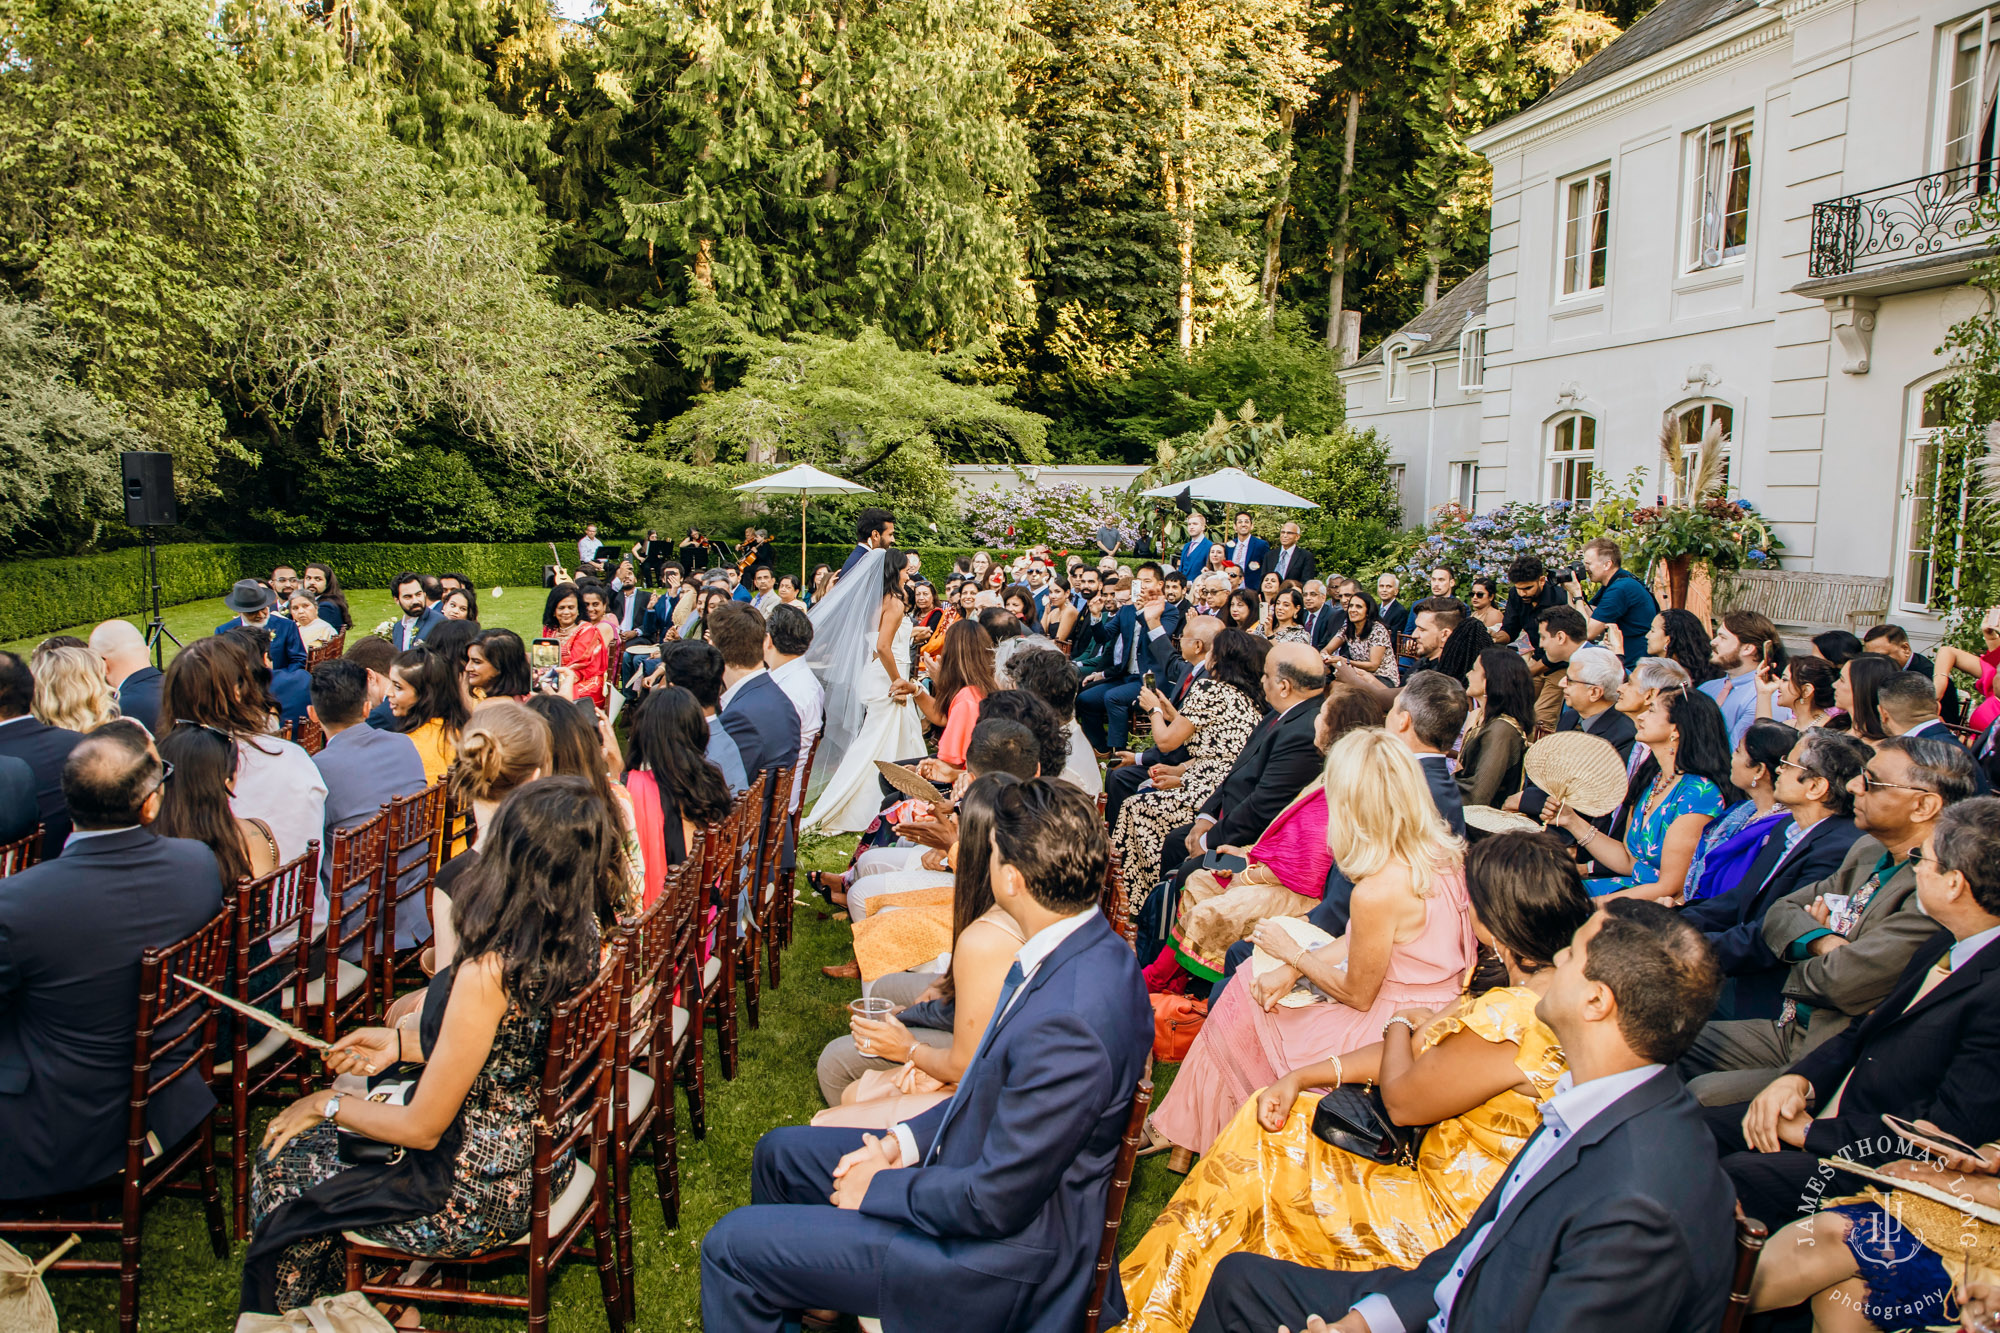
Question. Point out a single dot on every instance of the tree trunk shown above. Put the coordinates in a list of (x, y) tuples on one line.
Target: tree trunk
[(1337, 251), (1180, 207), (1274, 225), (1430, 277), (704, 278)]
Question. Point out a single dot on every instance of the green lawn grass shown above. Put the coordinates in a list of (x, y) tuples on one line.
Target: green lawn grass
[(184, 1288), (518, 609)]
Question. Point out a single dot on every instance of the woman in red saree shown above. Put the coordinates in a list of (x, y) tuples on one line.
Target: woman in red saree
[(583, 647)]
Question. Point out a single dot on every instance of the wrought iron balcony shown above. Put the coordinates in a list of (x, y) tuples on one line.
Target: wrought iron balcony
[(1932, 215)]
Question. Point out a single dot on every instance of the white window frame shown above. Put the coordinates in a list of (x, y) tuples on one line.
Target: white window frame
[(1705, 241), (1464, 481), (1472, 358), (1559, 465), (1968, 87), (1690, 448), (1397, 472), (1396, 372), (1583, 234), (1922, 465)]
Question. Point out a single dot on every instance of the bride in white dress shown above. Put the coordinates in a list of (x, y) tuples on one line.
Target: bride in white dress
[(861, 639)]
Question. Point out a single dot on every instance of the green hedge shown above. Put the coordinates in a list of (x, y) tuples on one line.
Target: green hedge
[(38, 596)]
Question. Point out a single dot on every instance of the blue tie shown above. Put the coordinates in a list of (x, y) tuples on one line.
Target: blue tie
[(1007, 988)]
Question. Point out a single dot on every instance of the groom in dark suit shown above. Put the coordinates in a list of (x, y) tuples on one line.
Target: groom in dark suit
[(990, 1206), (1615, 1213)]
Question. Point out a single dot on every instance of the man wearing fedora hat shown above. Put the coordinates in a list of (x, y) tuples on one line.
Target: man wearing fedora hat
[(253, 603)]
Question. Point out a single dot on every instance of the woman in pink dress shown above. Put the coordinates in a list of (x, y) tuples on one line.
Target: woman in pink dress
[(1982, 668), (1301, 1000)]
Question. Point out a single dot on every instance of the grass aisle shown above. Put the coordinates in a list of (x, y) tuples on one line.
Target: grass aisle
[(184, 1289)]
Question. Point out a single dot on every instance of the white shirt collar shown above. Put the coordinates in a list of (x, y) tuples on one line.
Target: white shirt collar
[(730, 693), (1961, 952), (77, 835), (788, 668), (22, 718), (1573, 1105), (1036, 951), (1923, 727)]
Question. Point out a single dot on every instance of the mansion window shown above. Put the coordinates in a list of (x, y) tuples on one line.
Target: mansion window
[(1691, 423), (1465, 486), (1966, 133), (1586, 232), (1397, 357), (1934, 505), (1572, 457), (1718, 224), (1472, 359)]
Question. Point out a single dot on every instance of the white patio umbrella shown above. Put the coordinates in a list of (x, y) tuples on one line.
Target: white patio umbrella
[(802, 480), (1232, 485)]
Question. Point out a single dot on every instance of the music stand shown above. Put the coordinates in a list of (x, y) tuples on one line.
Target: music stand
[(156, 629)]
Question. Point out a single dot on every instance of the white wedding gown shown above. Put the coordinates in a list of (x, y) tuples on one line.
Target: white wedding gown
[(853, 797)]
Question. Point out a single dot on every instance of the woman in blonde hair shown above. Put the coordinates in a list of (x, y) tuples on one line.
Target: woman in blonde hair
[(70, 689), (505, 746), (1305, 996)]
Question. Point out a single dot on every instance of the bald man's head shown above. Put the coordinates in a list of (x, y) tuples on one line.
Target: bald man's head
[(120, 646), (112, 778), (1198, 636), (1292, 672)]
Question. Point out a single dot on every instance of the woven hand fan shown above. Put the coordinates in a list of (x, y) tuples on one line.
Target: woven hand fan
[(1579, 770), (1491, 819), (25, 1306), (912, 783)]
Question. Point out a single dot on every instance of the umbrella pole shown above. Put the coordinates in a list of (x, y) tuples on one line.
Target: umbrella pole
[(802, 543)]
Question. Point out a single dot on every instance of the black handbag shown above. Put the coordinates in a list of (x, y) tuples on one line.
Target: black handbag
[(1354, 1120), (395, 1088)]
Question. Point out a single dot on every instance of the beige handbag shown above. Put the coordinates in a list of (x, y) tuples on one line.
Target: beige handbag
[(349, 1312)]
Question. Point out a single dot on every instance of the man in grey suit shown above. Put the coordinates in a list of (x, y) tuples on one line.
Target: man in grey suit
[(363, 768)]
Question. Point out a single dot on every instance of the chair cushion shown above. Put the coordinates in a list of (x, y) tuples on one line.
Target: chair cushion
[(710, 970), (680, 1022), (639, 1095), (562, 1211)]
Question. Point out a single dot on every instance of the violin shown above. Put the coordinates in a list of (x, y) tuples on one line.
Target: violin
[(749, 548)]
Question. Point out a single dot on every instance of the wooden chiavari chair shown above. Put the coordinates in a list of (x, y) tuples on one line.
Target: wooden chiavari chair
[(572, 1118), (1114, 1203), (308, 734), (354, 896), (270, 971), (175, 1038), (412, 845), (789, 891), (21, 853), (762, 925)]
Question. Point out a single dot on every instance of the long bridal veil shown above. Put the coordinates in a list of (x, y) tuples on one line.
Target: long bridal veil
[(845, 624)]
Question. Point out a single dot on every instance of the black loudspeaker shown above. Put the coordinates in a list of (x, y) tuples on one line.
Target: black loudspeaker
[(149, 490)]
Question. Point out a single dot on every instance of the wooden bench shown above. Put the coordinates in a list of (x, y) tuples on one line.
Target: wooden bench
[(1809, 602)]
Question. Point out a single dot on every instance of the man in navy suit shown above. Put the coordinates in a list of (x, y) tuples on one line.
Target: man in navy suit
[(754, 708), (419, 617), (253, 604), (364, 769), (1909, 707), (42, 747), (1614, 1214), (991, 1205), (1137, 639), (1247, 551), (71, 932), (1812, 785), (1929, 1051), (135, 681), (1193, 554)]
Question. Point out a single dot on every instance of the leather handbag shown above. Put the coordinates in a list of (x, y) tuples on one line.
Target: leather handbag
[(393, 1089), (1355, 1120), (348, 1312), (1176, 1021)]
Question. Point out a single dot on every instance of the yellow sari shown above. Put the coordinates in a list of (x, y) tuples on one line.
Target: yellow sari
[(1295, 1197)]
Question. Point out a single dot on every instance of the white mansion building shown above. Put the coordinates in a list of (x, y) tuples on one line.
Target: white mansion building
[(1761, 213)]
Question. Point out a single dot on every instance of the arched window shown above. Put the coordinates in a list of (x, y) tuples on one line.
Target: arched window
[(1692, 422), (1572, 456)]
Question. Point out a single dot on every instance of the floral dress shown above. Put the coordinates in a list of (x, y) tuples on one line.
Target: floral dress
[(1646, 834), (1359, 650), (1223, 718), (492, 1188), (1293, 1196)]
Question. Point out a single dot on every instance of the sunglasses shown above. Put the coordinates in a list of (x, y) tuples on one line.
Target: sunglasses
[(166, 775)]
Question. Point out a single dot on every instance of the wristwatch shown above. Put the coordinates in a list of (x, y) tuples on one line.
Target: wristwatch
[(332, 1107)]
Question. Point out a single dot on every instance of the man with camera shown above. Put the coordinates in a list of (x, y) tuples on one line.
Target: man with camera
[(1622, 600)]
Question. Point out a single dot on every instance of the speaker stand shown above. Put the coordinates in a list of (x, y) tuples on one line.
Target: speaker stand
[(157, 632)]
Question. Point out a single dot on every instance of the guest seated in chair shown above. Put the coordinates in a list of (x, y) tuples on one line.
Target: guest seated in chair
[(71, 933), (993, 1202), (1614, 1215), (1408, 943), (1473, 1072), (530, 920)]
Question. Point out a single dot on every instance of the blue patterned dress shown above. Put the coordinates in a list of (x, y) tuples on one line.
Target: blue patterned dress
[(1646, 835)]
